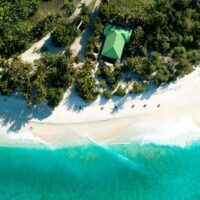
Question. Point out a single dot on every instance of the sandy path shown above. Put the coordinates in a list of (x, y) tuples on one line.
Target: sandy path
[(33, 53), (78, 48)]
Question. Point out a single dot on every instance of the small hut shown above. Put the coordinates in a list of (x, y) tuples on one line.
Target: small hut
[(116, 37)]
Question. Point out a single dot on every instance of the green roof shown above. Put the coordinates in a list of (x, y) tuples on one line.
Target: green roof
[(116, 37)]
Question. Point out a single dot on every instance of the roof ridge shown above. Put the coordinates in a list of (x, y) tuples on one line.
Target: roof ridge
[(114, 43)]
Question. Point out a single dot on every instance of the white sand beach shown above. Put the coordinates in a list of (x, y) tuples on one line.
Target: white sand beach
[(168, 115)]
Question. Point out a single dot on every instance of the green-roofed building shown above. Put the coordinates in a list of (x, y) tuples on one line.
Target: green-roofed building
[(116, 37)]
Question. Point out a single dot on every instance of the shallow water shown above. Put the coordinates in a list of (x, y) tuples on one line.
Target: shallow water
[(117, 172)]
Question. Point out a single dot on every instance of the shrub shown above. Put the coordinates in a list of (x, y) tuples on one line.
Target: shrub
[(54, 96), (69, 8), (120, 91), (107, 94), (178, 52), (137, 88), (43, 26), (87, 88), (103, 84), (64, 34)]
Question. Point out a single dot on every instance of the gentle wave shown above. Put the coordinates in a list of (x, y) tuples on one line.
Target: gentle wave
[(20, 138), (181, 133)]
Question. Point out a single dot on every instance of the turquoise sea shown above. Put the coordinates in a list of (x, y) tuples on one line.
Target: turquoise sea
[(116, 172)]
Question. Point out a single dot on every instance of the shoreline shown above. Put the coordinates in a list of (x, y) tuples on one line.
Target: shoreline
[(62, 136), (100, 122)]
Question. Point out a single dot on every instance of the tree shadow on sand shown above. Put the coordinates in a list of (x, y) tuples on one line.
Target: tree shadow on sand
[(83, 43), (149, 92), (152, 89), (49, 47), (119, 103), (75, 103), (15, 114), (86, 35)]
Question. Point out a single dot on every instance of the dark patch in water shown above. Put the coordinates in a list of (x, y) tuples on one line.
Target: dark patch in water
[(120, 172)]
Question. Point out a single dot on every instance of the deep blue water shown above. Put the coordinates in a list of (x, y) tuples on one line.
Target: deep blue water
[(120, 172)]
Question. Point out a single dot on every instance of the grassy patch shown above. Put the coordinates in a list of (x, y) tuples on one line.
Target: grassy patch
[(46, 8), (123, 6)]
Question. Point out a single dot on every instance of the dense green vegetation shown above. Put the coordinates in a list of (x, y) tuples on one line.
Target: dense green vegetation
[(22, 22), (66, 31), (69, 8), (64, 34), (45, 81), (165, 45), (12, 26), (86, 84), (25, 21)]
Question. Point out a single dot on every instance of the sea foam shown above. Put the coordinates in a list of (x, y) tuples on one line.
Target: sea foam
[(180, 133), (21, 137)]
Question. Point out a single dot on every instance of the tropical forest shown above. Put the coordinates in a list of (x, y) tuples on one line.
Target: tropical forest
[(164, 46)]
